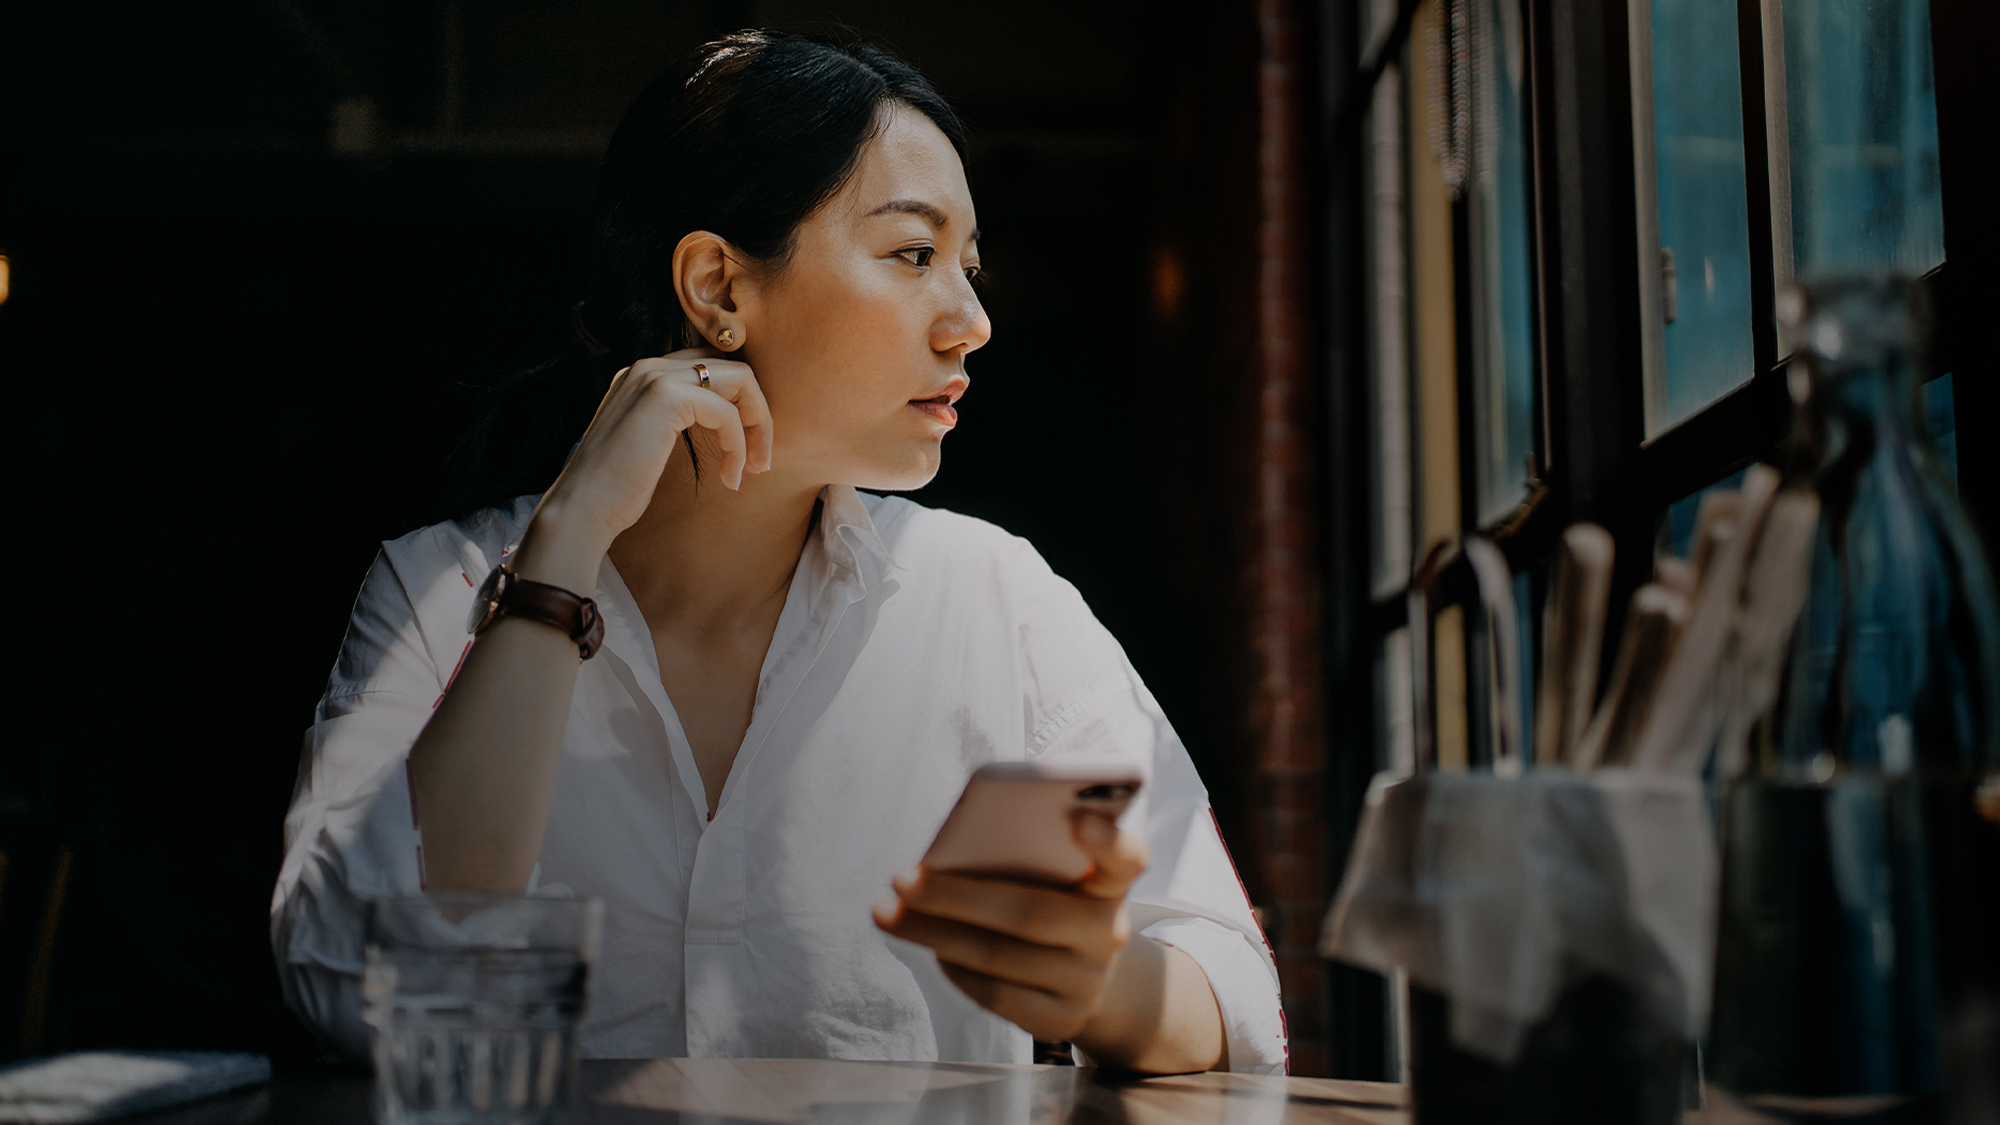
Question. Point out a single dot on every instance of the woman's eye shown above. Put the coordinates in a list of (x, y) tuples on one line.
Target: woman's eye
[(918, 256), (976, 276)]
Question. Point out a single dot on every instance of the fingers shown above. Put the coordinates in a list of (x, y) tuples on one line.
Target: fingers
[(726, 377), (736, 383), (1038, 956), (996, 955), (756, 416), (732, 404), (1040, 1014), (711, 411), (1121, 856), (1045, 916)]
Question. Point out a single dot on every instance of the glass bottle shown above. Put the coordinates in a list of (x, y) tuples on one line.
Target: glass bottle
[(1858, 930)]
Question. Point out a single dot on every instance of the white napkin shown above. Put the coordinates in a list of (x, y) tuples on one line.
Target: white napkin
[(1499, 892)]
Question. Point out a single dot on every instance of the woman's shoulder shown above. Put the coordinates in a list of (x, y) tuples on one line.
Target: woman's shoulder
[(977, 571), (917, 535), (472, 544), (953, 555)]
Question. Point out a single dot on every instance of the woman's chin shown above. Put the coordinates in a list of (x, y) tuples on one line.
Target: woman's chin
[(900, 474)]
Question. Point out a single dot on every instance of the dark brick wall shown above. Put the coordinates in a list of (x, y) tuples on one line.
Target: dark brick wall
[(1238, 196)]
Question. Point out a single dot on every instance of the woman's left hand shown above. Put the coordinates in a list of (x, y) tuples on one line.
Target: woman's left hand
[(1039, 956)]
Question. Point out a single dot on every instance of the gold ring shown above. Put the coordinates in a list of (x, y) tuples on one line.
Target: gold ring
[(701, 373)]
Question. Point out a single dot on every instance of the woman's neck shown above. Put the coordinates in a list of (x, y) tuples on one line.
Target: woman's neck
[(704, 559)]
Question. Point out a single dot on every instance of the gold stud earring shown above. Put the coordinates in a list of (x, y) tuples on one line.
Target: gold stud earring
[(726, 338)]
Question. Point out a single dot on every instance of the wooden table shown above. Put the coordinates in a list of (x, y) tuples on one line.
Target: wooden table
[(817, 1091), (774, 1091), (810, 1090)]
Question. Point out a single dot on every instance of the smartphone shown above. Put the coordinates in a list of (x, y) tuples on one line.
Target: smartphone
[(1014, 819)]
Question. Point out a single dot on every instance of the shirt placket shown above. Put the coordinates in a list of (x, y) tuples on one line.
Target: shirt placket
[(717, 884), (714, 976), (718, 877), (626, 637)]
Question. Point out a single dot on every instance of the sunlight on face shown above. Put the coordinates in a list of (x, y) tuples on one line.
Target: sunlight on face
[(859, 342)]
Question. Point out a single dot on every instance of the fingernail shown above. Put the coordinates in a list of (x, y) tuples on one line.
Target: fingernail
[(907, 877), (887, 910)]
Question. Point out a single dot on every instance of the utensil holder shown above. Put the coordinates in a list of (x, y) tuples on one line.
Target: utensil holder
[(1598, 1057)]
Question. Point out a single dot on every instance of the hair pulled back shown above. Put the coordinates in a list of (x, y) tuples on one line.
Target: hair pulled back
[(745, 137)]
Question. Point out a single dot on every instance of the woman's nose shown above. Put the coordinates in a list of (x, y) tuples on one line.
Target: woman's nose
[(965, 328)]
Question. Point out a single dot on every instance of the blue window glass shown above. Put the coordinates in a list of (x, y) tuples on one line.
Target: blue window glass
[(1504, 340), (1861, 119), (1678, 534), (1704, 224), (1940, 427)]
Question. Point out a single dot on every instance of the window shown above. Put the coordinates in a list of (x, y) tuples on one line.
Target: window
[(1694, 240), (1570, 224), (1860, 136), (1502, 284)]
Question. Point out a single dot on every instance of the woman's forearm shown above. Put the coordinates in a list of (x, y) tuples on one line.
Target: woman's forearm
[(484, 768), (1158, 1014)]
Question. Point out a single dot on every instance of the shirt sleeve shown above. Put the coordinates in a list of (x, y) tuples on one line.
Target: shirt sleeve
[(351, 833), (1192, 899), (1086, 700)]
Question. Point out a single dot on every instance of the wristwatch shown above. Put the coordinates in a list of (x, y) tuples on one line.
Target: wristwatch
[(506, 594)]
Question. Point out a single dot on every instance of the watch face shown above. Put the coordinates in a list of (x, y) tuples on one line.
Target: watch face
[(485, 602)]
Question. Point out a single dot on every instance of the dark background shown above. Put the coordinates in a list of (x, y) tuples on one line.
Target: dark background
[(239, 343)]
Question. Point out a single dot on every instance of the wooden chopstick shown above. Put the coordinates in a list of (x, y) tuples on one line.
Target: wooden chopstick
[(1682, 723), (1652, 626), (1572, 632)]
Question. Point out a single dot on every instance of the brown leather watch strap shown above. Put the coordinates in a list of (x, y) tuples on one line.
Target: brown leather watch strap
[(576, 616)]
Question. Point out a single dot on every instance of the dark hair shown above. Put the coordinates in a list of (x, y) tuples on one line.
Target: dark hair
[(745, 137)]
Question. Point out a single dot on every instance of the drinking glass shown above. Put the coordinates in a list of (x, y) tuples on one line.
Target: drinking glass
[(473, 1003)]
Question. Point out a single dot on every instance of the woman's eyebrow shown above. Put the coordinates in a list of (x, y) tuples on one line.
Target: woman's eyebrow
[(934, 215)]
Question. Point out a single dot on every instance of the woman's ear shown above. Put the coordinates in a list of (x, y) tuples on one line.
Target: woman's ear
[(710, 278)]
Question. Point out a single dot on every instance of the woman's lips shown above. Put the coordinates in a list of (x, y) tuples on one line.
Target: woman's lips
[(939, 408)]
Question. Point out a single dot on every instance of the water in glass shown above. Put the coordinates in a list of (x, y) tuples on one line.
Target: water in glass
[(476, 1026)]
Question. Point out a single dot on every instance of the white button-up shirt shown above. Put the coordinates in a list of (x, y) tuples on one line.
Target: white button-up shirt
[(914, 646)]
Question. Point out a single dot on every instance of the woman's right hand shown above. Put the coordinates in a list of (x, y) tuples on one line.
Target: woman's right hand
[(610, 479), (483, 770)]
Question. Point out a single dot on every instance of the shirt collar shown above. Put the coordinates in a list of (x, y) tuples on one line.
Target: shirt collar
[(854, 550), (855, 553)]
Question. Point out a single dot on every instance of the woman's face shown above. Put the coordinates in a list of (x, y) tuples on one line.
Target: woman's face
[(859, 342)]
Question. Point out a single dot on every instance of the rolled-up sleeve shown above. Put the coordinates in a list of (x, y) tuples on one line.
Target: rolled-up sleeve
[(351, 833), (1088, 701), (1191, 898)]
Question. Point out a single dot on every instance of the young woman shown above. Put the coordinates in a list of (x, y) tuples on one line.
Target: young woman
[(777, 685)]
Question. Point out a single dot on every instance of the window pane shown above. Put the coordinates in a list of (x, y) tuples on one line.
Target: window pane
[(1862, 123), (1940, 423), (1703, 212), (1504, 347)]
